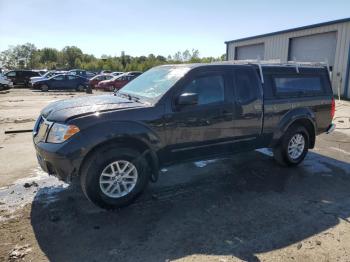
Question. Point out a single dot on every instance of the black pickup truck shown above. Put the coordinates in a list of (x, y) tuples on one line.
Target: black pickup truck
[(117, 143)]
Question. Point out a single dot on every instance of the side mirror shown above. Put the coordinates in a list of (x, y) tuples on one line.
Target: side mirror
[(187, 99)]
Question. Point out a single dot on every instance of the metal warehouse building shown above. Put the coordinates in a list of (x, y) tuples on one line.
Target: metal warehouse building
[(324, 42)]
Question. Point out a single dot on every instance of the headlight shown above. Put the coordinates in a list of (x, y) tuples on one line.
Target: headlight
[(60, 133)]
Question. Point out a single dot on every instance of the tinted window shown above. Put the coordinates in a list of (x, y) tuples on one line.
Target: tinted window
[(72, 77), (246, 85), (285, 85), (11, 74), (59, 77), (210, 89)]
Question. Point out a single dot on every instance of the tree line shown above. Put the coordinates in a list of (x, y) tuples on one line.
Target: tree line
[(27, 56)]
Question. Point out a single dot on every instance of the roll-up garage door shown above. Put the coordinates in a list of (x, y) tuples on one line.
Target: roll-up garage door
[(255, 51), (313, 48)]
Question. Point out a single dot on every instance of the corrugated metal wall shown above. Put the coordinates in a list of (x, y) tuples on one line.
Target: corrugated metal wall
[(276, 47)]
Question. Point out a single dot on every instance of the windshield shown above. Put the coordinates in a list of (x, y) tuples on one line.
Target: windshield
[(155, 82), (118, 76), (48, 74)]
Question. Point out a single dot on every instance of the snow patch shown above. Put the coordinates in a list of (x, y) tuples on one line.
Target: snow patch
[(204, 163), (39, 186)]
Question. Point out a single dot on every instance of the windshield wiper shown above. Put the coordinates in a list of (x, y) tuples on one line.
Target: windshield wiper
[(128, 96), (135, 98)]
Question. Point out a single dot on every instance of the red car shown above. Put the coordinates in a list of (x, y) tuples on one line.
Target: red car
[(96, 79), (117, 82)]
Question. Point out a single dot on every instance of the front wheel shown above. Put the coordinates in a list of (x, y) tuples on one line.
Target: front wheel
[(293, 146), (44, 88), (113, 177)]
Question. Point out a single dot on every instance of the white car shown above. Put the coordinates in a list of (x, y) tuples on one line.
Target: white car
[(5, 83)]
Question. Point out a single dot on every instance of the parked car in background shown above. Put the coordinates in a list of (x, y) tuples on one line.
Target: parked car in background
[(117, 82), (105, 72), (96, 79), (62, 82), (82, 73), (21, 77), (117, 73), (5, 83), (41, 71), (117, 143), (47, 75), (134, 73)]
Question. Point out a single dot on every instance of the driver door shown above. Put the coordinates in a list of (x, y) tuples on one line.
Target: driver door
[(203, 129), (57, 82)]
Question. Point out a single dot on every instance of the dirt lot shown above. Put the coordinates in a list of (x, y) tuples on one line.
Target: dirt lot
[(242, 208)]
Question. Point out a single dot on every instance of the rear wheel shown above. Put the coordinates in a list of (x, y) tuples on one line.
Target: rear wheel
[(114, 176), (293, 146), (44, 88)]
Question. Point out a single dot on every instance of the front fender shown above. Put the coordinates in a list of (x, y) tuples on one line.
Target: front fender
[(119, 130)]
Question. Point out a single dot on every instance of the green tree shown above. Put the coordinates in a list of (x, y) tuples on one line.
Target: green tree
[(70, 56), (18, 56), (48, 55)]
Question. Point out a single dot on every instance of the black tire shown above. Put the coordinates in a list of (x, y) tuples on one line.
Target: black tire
[(80, 88), (44, 88), (280, 152), (98, 161)]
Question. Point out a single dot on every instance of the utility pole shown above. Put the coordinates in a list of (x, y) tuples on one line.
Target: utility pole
[(123, 59)]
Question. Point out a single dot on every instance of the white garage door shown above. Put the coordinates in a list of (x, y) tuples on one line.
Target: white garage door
[(256, 51), (313, 48)]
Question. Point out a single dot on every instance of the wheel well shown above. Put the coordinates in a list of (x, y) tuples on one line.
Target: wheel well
[(309, 127), (136, 144)]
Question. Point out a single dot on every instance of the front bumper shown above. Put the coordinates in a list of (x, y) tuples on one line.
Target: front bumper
[(62, 160), (7, 85), (53, 164)]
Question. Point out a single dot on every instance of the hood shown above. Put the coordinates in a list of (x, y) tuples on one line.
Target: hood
[(63, 110), (40, 81), (37, 78), (105, 82)]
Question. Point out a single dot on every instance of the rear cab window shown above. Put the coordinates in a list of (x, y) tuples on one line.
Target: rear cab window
[(286, 82), (298, 85)]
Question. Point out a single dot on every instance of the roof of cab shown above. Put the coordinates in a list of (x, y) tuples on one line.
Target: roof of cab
[(264, 64)]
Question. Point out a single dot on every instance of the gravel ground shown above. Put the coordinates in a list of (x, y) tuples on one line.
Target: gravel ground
[(244, 208)]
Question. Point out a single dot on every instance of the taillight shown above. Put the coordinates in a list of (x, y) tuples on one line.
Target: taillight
[(333, 108)]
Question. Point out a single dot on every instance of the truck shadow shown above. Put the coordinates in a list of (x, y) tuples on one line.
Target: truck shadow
[(233, 207)]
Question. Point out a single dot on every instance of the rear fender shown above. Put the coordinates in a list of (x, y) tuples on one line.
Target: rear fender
[(303, 116)]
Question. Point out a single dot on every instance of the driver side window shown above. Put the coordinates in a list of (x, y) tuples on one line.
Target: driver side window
[(11, 74), (210, 89), (59, 78), (72, 77)]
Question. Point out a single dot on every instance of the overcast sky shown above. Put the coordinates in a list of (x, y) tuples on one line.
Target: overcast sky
[(154, 26)]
